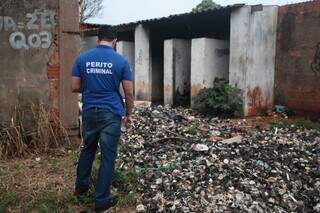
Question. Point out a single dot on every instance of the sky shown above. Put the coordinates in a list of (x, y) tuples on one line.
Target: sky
[(123, 11)]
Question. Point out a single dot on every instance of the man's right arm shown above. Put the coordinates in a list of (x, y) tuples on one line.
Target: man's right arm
[(128, 93)]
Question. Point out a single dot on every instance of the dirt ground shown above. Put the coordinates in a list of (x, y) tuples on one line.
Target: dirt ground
[(45, 183), (42, 184)]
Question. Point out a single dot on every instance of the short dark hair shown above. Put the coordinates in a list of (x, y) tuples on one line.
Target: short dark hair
[(107, 33)]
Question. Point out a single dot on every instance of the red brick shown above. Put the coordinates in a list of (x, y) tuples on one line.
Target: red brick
[(53, 72)]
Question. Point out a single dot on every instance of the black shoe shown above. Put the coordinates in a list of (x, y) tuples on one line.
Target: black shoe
[(81, 194), (111, 204)]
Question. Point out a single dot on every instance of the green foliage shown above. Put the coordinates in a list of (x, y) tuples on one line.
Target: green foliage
[(7, 199), (128, 200), (297, 124), (205, 5), (193, 129), (222, 100), (49, 202)]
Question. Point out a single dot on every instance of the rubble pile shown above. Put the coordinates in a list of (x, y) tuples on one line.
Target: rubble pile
[(192, 163)]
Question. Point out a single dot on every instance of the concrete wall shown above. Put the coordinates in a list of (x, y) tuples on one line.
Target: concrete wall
[(252, 56), (126, 49), (88, 42), (209, 60), (298, 58), (31, 70), (177, 71), (143, 64), (27, 45)]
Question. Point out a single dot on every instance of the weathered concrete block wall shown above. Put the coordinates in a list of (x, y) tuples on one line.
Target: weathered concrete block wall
[(177, 71), (252, 56), (298, 58), (143, 64), (126, 49), (209, 60), (31, 69), (27, 37)]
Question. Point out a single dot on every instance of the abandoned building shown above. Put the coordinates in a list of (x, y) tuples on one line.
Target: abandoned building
[(38, 46), (266, 51), (272, 53)]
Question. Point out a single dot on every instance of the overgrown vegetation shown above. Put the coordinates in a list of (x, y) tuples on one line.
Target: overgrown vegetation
[(221, 100), (124, 180), (296, 124), (6, 199), (51, 202), (33, 129)]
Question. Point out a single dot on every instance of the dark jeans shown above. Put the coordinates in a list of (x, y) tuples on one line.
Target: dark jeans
[(99, 125)]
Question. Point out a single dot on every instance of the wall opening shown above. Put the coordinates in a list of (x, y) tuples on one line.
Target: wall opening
[(157, 53)]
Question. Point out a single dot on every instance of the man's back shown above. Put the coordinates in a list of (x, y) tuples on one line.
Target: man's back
[(97, 75), (102, 70)]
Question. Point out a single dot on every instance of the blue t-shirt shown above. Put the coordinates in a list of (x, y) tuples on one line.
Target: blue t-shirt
[(101, 71)]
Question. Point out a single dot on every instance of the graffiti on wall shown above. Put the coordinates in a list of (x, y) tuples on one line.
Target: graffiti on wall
[(315, 65), (32, 33)]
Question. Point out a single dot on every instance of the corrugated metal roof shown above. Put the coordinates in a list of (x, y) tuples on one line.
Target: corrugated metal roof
[(173, 18)]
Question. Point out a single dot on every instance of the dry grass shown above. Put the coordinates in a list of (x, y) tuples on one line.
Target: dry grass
[(34, 130), (37, 165), (37, 183), (45, 185)]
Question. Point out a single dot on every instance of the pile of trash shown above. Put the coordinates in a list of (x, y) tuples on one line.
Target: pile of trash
[(192, 163)]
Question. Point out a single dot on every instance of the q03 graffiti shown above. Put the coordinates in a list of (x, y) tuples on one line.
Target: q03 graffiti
[(39, 23)]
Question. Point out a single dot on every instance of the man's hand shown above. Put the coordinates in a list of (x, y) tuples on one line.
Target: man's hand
[(127, 121)]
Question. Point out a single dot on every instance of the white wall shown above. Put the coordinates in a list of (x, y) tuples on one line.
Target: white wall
[(177, 70), (252, 56), (209, 60), (143, 62), (126, 49)]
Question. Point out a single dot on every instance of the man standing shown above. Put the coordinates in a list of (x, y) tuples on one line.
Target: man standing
[(97, 74)]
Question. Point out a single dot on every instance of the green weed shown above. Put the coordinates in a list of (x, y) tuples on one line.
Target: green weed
[(297, 124), (7, 199)]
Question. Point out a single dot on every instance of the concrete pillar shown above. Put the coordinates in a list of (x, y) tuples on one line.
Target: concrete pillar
[(252, 56), (177, 69), (69, 49), (209, 60), (126, 49), (143, 64)]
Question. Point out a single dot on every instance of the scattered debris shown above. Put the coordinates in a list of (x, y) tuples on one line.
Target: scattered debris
[(199, 147), (141, 208), (237, 139), (245, 169)]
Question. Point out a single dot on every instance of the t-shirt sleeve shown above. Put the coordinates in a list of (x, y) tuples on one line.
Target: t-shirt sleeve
[(126, 72), (76, 68)]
